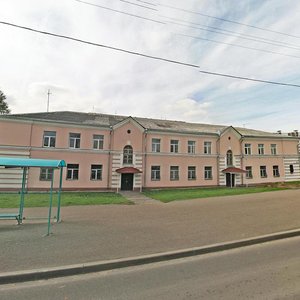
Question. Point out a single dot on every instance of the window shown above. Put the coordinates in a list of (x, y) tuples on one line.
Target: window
[(276, 171), (174, 173), (207, 172), (191, 173), (46, 174), (72, 171), (248, 149), (155, 145), (229, 158), (263, 171), (273, 149), (174, 146), (96, 172), (74, 140), (127, 155), (291, 169), (207, 147), (191, 147), (49, 138), (261, 149), (98, 141), (155, 173), (249, 172)]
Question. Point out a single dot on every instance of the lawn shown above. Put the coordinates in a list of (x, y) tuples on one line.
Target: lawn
[(9, 200), (185, 194)]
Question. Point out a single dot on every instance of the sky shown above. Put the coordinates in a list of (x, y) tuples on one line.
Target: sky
[(219, 36)]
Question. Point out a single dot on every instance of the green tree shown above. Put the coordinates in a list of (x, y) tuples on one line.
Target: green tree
[(3, 105)]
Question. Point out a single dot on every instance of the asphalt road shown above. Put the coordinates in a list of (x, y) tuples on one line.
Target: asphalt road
[(104, 232), (264, 271)]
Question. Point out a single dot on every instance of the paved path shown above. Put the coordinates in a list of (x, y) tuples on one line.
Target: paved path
[(90, 233), (139, 198)]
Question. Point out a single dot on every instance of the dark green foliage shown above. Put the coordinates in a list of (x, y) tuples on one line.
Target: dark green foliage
[(3, 105)]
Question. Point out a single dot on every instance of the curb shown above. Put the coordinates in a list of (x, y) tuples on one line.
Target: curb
[(98, 266)]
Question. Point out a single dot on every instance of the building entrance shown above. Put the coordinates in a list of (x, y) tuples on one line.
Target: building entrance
[(127, 182), (230, 180)]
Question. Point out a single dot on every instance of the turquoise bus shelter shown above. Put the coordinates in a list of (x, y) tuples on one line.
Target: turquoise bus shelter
[(25, 164)]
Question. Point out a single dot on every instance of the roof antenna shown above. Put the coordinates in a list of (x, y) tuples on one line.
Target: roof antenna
[(48, 100)]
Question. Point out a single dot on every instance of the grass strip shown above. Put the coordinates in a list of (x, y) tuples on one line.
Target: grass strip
[(169, 195), (12, 200)]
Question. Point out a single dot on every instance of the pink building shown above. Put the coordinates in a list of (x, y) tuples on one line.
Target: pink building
[(117, 152)]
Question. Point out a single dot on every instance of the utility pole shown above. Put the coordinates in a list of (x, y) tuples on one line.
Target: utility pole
[(48, 100)]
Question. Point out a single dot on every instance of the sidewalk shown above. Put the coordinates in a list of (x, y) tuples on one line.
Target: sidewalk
[(94, 233)]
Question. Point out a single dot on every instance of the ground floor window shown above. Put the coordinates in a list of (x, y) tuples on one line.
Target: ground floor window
[(155, 173), (72, 171), (207, 172), (174, 173), (276, 171), (46, 174), (291, 169), (96, 172), (191, 173), (263, 171), (249, 174)]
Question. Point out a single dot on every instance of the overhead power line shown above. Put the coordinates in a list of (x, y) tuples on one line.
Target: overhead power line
[(219, 31), (239, 46), (147, 56), (249, 79), (149, 3), (214, 30), (120, 11), (230, 31), (139, 5), (227, 20)]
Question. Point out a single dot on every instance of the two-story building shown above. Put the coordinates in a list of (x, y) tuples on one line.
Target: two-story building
[(105, 152)]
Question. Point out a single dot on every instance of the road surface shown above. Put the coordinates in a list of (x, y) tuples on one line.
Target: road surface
[(265, 271)]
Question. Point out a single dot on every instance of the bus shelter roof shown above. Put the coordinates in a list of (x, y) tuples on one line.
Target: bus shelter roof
[(31, 162)]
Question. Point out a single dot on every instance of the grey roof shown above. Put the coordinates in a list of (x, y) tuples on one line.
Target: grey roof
[(105, 120)]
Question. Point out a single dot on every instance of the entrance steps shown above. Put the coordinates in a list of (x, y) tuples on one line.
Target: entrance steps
[(139, 198)]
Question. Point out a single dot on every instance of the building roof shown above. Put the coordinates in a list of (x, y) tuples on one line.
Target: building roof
[(105, 120), (233, 170), (126, 170)]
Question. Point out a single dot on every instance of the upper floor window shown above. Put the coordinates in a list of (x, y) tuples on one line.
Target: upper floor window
[(207, 147), (72, 171), (127, 155), (155, 145), (249, 174), (155, 172), (229, 158), (74, 140), (98, 141), (191, 147), (46, 174), (174, 146), (276, 171), (263, 171), (191, 173), (248, 149), (174, 173), (96, 172), (273, 149), (49, 138), (207, 172), (261, 149)]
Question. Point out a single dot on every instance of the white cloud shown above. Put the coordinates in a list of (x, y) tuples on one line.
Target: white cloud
[(87, 78)]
